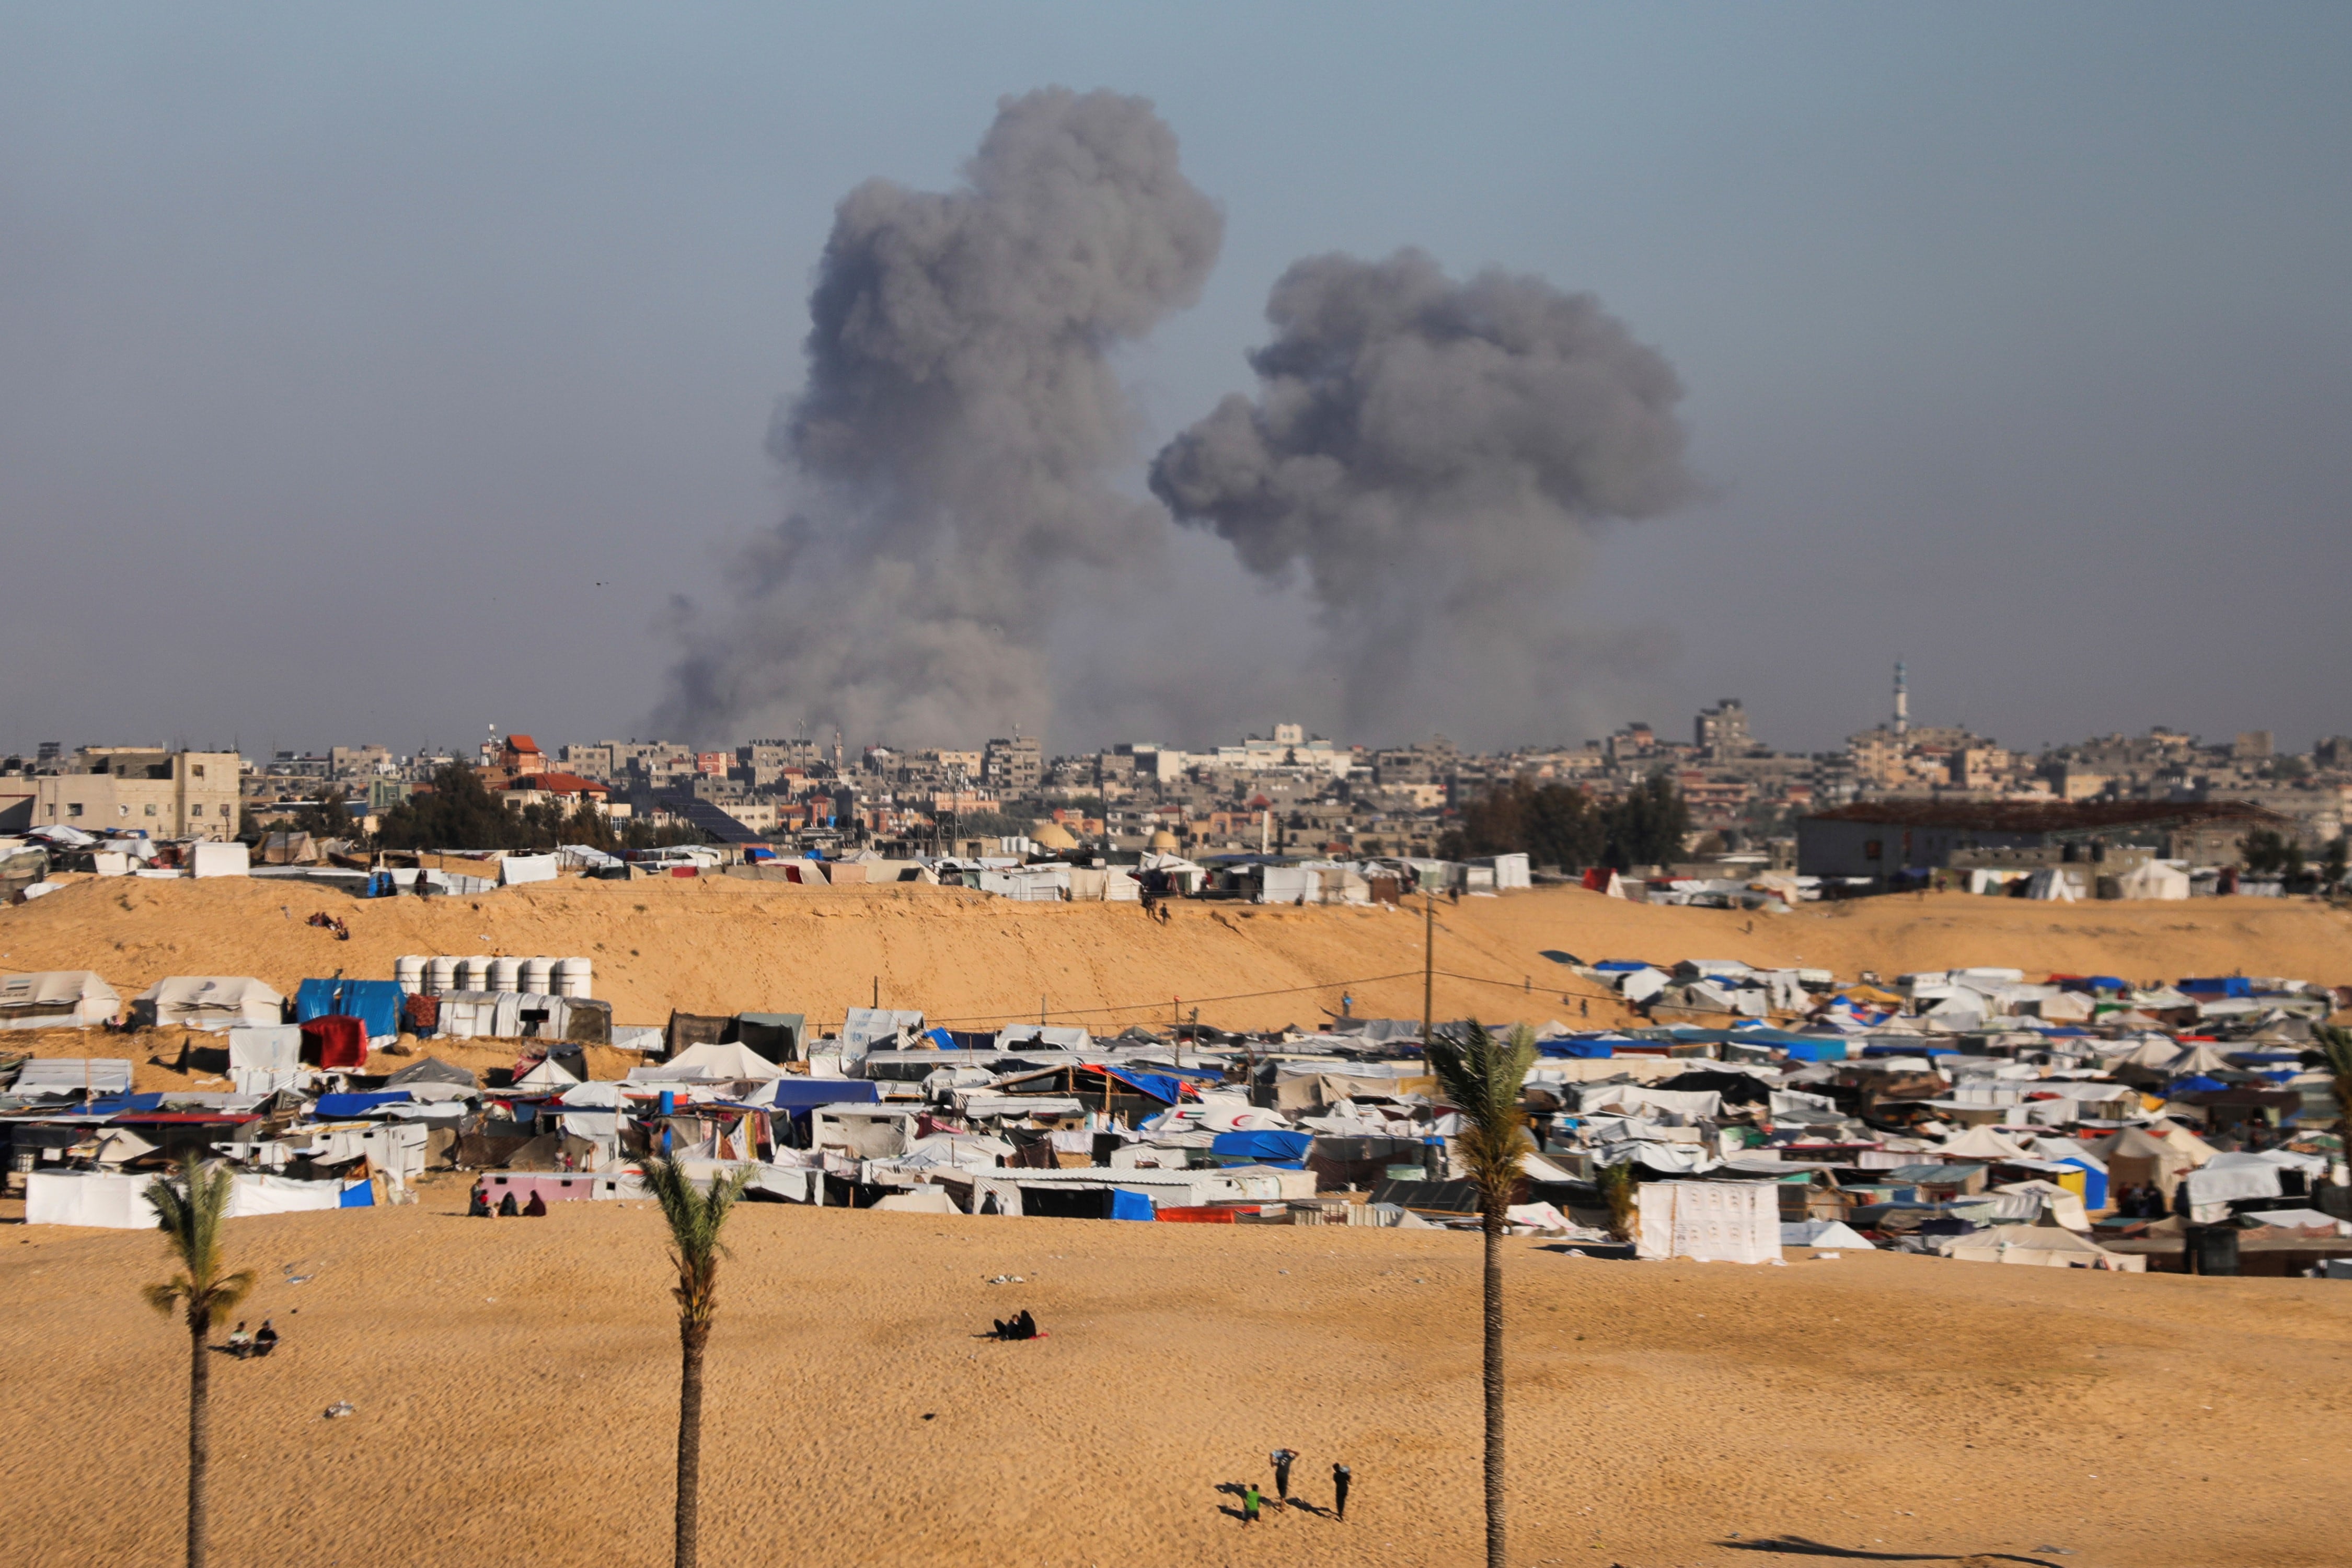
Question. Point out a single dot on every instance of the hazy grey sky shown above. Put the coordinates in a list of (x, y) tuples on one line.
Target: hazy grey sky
[(382, 373)]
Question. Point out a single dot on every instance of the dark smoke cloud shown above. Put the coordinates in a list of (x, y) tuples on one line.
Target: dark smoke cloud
[(949, 458), (1435, 456)]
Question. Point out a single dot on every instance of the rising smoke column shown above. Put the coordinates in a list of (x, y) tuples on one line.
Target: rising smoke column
[(950, 455), (1433, 455)]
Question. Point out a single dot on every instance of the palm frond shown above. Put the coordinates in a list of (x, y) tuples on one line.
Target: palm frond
[(2334, 1043), (191, 1205), (1483, 1077), (167, 1295), (694, 1217)]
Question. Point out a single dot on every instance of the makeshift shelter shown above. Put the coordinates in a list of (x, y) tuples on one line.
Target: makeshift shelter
[(1983, 1143), (207, 1002), (335, 1043), (2044, 1246), (56, 999), (778, 1036), (374, 1003), (2155, 879), (711, 1062), (72, 1075), (2137, 1158), (1713, 1222), (2053, 884)]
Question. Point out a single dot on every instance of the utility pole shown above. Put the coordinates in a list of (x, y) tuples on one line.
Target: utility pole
[(1428, 961)]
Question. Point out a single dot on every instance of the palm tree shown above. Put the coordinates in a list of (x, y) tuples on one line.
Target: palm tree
[(1482, 1077), (2335, 1044), (190, 1211), (694, 1217)]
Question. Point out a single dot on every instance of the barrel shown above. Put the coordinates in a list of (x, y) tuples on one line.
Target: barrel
[(474, 973), (572, 977), (506, 974), (408, 973), (538, 977), (440, 974)]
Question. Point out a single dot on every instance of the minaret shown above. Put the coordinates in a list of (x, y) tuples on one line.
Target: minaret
[(1902, 700)]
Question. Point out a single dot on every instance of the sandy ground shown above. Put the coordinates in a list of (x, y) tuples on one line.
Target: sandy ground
[(516, 1381), (727, 946)]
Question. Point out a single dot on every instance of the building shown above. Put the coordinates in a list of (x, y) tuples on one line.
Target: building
[(568, 792), (1722, 730), (1014, 767), (1884, 838), (132, 790)]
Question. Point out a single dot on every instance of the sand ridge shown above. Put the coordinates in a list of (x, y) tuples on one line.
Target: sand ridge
[(723, 944)]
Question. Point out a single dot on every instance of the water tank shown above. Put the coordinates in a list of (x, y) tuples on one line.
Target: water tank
[(539, 976), (408, 973), (506, 974), (474, 973), (572, 977), (440, 974)]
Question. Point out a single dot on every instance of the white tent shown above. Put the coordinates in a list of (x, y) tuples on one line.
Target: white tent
[(2155, 879), (271, 1046), (2046, 1245), (1983, 1143), (710, 1062), (71, 1075), (56, 999), (514, 869), (207, 1002), (2053, 884), (207, 859), (1718, 1222), (1824, 1233)]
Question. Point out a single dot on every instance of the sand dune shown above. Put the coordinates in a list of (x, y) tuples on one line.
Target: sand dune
[(515, 1382), (721, 946)]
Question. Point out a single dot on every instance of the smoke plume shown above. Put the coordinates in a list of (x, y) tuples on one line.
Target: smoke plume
[(1433, 455), (951, 455)]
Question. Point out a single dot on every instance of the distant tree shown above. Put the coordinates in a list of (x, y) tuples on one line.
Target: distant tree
[(1619, 1190), (1483, 1077), (2292, 866), (2335, 1045), (1552, 824), (457, 812), (191, 1215), (1647, 826), (2332, 869), (694, 1217), (329, 816), (2263, 851)]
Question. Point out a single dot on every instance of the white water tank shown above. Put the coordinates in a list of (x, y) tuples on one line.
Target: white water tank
[(506, 974), (440, 974), (408, 973), (539, 976), (572, 977), (474, 973)]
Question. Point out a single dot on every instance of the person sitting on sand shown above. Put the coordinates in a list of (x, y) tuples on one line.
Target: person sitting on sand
[(536, 1208), (478, 1204), (240, 1340), (1025, 1326), (508, 1207), (267, 1339)]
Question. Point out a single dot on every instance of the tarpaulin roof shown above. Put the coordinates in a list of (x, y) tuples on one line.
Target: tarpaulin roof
[(333, 1106), (374, 1003), (794, 1092), (1163, 1087), (1267, 1146)]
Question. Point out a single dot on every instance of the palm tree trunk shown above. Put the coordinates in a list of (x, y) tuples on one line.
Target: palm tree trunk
[(199, 1432), (1494, 1313), (692, 1337)]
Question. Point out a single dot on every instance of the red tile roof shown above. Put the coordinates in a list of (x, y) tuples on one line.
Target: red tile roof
[(560, 783)]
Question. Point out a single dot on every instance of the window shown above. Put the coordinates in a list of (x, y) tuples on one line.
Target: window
[(121, 811), (150, 811), (197, 809), (74, 809), (196, 769)]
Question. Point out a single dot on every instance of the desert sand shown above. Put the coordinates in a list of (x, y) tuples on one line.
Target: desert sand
[(720, 944), (515, 1384)]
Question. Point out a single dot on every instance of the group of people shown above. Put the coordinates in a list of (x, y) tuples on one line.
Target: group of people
[(1019, 1326), (1282, 1459), (478, 1204), (243, 1345)]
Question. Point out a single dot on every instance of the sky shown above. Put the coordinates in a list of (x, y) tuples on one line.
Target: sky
[(395, 374)]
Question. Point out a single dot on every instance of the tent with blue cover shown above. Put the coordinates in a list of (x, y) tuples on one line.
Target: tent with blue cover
[(374, 1003), (1285, 1149), (1127, 1204), (343, 1107)]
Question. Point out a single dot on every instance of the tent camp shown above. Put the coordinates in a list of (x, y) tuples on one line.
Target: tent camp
[(2137, 1158), (207, 1002), (56, 999), (114, 1201), (72, 1075)]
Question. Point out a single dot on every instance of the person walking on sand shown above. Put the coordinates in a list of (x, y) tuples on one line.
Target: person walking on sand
[(1339, 1479), (1249, 1503), (1281, 1460)]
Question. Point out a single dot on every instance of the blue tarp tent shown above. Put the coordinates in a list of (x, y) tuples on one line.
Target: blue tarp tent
[(1816, 1050), (797, 1093), (1587, 1051), (1621, 965), (335, 1106), (358, 1195), (2222, 985), (1127, 1204), (2195, 1083), (2094, 1183), (374, 1003), (1159, 1086), (1270, 1148)]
